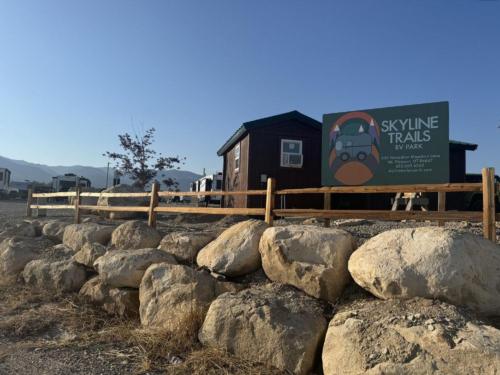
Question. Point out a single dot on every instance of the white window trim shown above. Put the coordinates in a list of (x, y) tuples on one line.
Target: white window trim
[(297, 141), (237, 147)]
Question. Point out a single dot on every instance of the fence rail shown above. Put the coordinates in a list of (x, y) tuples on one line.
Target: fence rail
[(487, 187), (418, 188)]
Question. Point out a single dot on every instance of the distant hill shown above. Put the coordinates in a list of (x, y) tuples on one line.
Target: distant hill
[(23, 170)]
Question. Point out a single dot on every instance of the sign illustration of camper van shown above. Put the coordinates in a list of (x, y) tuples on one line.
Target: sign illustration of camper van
[(354, 148)]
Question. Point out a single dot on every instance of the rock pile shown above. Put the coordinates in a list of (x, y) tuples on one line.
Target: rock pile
[(298, 317)]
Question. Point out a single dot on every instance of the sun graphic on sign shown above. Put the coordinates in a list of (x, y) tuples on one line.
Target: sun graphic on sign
[(354, 148)]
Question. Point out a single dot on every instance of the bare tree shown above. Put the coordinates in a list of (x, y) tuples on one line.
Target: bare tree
[(140, 161)]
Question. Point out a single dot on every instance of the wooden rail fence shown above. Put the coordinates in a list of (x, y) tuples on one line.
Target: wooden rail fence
[(487, 187)]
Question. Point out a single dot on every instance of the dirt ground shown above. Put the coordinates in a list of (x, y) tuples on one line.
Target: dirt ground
[(45, 334), (12, 209)]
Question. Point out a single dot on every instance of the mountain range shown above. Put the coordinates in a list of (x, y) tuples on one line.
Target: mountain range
[(22, 170)]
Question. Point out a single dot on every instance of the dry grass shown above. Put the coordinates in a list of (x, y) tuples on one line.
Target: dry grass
[(31, 317)]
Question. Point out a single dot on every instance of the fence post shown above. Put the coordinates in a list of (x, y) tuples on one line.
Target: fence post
[(489, 230), (29, 211), (327, 205), (153, 203), (441, 205), (271, 184), (77, 204)]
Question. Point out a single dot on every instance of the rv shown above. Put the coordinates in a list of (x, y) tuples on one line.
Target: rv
[(4, 180), (68, 181), (212, 182)]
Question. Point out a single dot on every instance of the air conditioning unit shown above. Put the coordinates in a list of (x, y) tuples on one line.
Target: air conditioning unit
[(291, 160)]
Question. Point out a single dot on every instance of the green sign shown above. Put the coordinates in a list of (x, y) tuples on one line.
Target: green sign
[(387, 146)]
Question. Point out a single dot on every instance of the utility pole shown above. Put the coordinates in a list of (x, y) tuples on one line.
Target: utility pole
[(107, 176)]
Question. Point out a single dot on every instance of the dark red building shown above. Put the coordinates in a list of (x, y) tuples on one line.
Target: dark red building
[(286, 147)]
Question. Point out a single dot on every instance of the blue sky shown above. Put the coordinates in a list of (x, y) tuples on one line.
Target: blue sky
[(74, 74)]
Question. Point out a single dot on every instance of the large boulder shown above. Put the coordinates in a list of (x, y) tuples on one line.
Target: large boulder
[(236, 251), (115, 301), (76, 235), (16, 252), (89, 254), (311, 258), (409, 337), (169, 294), (184, 246), (122, 201), (274, 324), (430, 262), (125, 268), (135, 234), (54, 230), (63, 275)]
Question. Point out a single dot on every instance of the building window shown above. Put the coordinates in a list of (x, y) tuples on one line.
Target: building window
[(291, 153), (237, 157), (1, 176)]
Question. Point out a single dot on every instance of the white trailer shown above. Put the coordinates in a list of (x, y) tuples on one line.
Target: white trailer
[(211, 182), (68, 181), (5, 180)]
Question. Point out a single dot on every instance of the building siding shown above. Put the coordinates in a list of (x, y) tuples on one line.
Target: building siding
[(265, 158), (236, 180)]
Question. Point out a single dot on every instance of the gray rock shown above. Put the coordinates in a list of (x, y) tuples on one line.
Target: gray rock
[(170, 295), (369, 345), (16, 252), (62, 275), (125, 268), (311, 258), (236, 251), (272, 324), (430, 262), (77, 235), (54, 230), (184, 246), (117, 301), (89, 254), (135, 234)]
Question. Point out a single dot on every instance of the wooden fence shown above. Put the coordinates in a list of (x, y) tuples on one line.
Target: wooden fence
[(487, 216)]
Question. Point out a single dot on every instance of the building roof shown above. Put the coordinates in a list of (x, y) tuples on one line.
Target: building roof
[(306, 120), (266, 121), (463, 145)]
